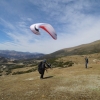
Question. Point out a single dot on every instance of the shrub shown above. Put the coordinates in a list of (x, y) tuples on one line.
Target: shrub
[(8, 72), (22, 72), (66, 64)]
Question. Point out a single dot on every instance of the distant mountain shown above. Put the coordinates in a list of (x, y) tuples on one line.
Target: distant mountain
[(89, 48), (19, 55)]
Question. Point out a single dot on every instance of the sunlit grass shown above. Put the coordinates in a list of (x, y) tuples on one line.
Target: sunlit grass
[(72, 83)]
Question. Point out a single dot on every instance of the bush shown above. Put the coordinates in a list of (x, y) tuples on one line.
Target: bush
[(22, 72), (15, 66), (8, 72), (1, 71), (66, 64)]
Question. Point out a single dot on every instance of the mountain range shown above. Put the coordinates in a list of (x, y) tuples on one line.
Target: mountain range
[(83, 49), (19, 55)]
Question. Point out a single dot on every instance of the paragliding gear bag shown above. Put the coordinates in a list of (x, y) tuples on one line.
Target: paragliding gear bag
[(41, 67)]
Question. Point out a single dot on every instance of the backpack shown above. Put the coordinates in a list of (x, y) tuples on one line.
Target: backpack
[(39, 66)]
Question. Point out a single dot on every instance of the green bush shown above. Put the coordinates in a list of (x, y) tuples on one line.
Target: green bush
[(15, 66), (1, 71), (66, 64), (22, 72), (8, 72)]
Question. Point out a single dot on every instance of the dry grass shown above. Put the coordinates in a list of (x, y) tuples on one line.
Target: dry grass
[(73, 83)]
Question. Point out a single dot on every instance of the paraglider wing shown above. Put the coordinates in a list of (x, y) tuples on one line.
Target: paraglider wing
[(47, 27), (35, 29)]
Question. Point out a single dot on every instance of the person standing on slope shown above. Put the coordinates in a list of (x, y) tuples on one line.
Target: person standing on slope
[(86, 62), (43, 65)]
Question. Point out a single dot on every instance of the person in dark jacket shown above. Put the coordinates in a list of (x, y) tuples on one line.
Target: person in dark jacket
[(43, 65), (86, 62)]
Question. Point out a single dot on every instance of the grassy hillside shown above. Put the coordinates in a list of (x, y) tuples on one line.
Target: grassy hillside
[(71, 83), (90, 48)]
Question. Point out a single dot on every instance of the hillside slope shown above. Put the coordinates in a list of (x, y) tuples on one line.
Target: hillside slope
[(73, 83), (90, 48)]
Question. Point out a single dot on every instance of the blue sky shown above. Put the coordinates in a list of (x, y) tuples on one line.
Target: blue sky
[(76, 22)]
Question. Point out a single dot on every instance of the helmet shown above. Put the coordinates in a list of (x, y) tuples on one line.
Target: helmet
[(44, 60)]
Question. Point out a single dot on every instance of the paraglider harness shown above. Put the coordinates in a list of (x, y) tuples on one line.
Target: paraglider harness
[(42, 66)]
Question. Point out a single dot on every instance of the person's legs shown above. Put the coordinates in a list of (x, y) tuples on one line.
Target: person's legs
[(86, 65), (42, 74)]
